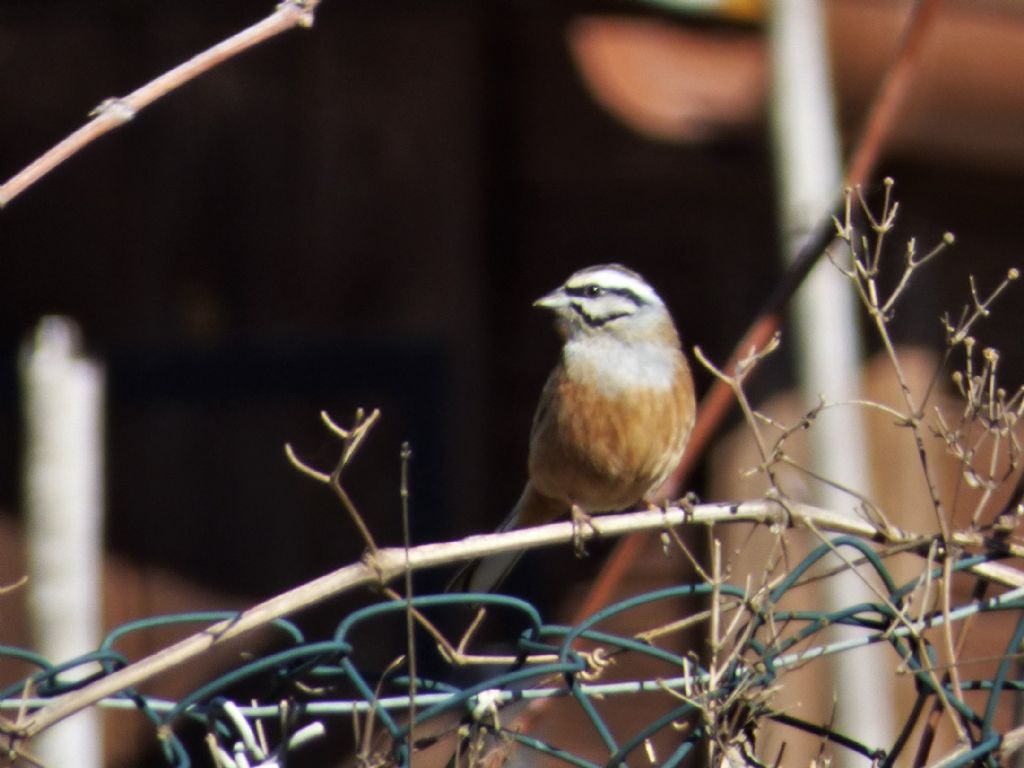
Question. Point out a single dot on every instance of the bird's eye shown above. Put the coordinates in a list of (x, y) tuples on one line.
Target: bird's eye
[(593, 291)]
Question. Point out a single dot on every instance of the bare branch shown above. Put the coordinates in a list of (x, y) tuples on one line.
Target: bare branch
[(115, 112)]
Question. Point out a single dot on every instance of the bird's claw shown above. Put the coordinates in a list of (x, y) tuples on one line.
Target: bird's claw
[(580, 519)]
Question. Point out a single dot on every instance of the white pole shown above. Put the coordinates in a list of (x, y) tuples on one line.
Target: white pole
[(62, 393), (827, 340)]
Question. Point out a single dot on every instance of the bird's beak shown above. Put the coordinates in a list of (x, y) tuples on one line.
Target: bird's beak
[(554, 300)]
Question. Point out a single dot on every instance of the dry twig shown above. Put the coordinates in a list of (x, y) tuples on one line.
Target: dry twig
[(115, 112)]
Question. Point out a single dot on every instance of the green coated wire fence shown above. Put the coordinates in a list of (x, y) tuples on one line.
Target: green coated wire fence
[(313, 684), (710, 685)]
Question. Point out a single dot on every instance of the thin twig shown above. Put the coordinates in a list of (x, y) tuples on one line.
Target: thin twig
[(115, 112), (351, 439), (410, 625)]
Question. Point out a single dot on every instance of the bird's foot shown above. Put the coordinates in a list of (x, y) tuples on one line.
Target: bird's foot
[(580, 519)]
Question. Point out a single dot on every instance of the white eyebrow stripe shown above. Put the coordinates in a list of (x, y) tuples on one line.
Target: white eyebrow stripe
[(613, 278)]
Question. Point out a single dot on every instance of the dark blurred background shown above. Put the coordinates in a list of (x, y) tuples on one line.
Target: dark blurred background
[(360, 214)]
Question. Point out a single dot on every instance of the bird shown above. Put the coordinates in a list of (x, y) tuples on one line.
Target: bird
[(614, 416)]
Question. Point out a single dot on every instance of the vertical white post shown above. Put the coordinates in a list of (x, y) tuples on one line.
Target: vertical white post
[(828, 343), (62, 392)]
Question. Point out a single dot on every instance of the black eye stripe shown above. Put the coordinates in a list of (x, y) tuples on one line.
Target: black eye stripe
[(581, 292), (576, 290)]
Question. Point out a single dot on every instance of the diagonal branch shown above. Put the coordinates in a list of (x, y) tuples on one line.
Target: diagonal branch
[(388, 564), (715, 405), (115, 112)]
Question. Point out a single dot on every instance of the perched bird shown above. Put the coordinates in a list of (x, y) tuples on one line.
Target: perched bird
[(614, 416)]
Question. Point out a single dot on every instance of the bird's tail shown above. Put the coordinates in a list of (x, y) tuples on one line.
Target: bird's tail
[(486, 574)]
